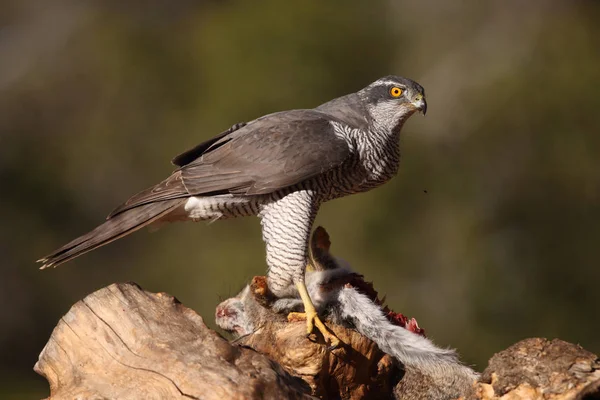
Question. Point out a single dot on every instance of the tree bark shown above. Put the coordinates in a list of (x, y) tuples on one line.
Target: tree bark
[(124, 343), (541, 369)]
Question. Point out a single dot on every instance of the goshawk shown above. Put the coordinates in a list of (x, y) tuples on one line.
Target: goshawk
[(280, 167)]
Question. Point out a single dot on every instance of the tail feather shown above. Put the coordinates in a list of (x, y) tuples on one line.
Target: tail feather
[(114, 228)]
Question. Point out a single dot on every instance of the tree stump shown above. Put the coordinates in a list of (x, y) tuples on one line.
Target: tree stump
[(124, 343)]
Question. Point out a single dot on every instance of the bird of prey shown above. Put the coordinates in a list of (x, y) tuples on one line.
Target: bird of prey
[(279, 167)]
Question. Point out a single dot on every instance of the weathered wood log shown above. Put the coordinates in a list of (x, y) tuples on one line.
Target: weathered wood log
[(540, 369), (357, 370), (122, 342)]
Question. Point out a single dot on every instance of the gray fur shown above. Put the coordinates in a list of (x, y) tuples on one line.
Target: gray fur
[(345, 305)]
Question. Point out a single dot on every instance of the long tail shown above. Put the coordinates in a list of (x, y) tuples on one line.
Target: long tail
[(411, 349), (114, 228)]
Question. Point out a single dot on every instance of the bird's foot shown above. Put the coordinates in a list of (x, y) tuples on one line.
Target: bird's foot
[(312, 318), (313, 321)]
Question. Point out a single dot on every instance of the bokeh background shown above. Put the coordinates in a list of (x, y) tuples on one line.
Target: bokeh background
[(490, 233)]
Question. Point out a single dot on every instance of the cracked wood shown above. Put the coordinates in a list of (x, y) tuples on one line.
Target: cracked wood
[(122, 342)]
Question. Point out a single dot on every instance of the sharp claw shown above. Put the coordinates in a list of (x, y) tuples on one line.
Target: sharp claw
[(312, 322), (312, 319), (310, 338), (333, 342)]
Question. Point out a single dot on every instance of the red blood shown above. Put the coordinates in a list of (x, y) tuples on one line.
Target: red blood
[(397, 319)]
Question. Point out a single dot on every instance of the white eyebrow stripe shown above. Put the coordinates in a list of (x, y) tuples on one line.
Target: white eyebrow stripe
[(387, 82)]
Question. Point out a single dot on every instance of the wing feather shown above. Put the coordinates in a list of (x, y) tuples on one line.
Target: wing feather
[(263, 156), (190, 155), (269, 154)]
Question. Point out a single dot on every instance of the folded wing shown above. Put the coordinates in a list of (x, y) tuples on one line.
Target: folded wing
[(266, 155)]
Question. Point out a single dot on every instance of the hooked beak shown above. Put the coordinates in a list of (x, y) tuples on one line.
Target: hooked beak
[(420, 103)]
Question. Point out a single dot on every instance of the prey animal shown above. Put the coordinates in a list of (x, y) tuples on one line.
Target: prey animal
[(280, 167), (343, 297)]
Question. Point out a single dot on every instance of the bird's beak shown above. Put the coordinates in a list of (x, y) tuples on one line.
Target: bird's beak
[(420, 103)]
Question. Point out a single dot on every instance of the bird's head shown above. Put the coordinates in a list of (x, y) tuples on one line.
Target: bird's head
[(392, 99)]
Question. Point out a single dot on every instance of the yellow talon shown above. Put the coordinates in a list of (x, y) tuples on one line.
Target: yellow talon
[(312, 318)]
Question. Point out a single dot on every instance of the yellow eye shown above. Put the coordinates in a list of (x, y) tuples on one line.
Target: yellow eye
[(396, 92)]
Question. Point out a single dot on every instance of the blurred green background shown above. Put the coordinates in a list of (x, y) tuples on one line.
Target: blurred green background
[(490, 233)]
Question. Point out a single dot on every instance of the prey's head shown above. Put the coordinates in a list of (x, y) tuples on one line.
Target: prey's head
[(231, 315), (392, 99)]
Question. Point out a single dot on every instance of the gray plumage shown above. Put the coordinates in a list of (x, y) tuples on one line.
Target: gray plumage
[(280, 167)]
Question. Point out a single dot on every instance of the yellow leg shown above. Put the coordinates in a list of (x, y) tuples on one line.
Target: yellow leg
[(312, 318)]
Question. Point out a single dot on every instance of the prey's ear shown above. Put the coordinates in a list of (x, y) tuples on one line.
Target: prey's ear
[(320, 259), (261, 292)]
